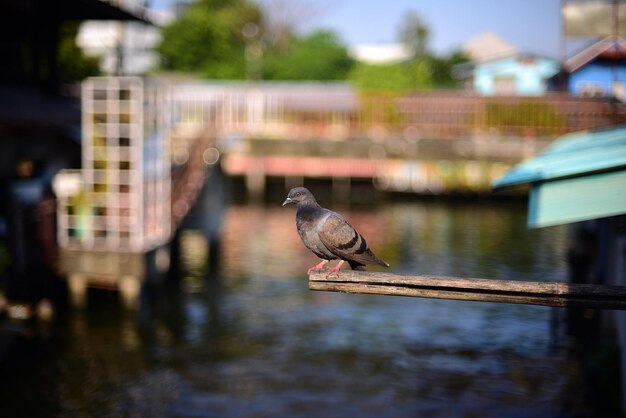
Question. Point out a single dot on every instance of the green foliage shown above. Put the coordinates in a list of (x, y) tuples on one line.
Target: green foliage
[(378, 106), (430, 71), (208, 38), (380, 76), (442, 68), (402, 76), (74, 65), (318, 56)]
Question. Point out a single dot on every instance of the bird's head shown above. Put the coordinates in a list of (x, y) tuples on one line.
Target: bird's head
[(299, 195)]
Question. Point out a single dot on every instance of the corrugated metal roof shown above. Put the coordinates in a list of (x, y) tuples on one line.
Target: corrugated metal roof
[(101, 10), (609, 47), (572, 155)]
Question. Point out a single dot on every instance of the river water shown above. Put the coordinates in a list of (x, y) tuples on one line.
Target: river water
[(248, 339)]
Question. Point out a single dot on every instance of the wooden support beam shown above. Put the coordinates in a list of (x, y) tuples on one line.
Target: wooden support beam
[(557, 294)]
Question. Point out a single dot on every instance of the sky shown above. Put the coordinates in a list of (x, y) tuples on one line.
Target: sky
[(528, 25)]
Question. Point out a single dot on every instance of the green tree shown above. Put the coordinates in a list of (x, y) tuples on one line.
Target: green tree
[(415, 33), (318, 56), (423, 70), (402, 76), (209, 38), (442, 68)]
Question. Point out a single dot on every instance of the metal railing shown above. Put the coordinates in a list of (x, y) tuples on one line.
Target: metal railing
[(342, 113)]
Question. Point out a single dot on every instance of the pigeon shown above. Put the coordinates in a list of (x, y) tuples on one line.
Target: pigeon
[(329, 235)]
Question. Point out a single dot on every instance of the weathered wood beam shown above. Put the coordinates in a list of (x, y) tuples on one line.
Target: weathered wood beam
[(557, 294)]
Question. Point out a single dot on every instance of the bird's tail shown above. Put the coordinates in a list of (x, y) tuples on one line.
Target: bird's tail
[(355, 265), (375, 260)]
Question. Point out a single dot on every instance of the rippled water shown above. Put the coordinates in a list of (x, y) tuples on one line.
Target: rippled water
[(250, 340)]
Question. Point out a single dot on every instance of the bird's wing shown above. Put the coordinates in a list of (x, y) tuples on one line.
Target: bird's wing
[(343, 240)]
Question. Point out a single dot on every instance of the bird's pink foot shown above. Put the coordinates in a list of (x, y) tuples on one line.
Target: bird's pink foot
[(335, 269), (317, 267)]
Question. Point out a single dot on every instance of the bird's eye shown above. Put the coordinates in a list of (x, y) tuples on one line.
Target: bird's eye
[(298, 194)]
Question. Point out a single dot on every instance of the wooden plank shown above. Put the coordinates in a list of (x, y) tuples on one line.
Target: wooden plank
[(557, 294)]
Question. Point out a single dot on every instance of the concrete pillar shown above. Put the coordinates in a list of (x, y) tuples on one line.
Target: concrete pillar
[(341, 189), (293, 181), (255, 180), (130, 288), (77, 285)]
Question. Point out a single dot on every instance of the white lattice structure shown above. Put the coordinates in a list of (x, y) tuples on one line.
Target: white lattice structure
[(123, 200)]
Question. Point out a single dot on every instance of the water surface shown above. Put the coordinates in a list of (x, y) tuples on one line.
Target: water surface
[(250, 340)]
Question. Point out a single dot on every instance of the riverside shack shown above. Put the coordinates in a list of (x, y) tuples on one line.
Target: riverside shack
[(581, 180)]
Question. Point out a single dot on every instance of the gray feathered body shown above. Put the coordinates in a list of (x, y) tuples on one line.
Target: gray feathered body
[(330, 236)]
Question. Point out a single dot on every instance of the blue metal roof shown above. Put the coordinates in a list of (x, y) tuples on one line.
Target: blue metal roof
[(572, 155)]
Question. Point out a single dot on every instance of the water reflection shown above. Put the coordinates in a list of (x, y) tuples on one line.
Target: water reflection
[(254, 341), (476, 240)]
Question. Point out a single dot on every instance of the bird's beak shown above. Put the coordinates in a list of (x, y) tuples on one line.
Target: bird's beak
[(287, 201)]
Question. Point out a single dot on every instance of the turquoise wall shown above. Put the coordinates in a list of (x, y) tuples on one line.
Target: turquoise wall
[(562, 201), (529, 79)]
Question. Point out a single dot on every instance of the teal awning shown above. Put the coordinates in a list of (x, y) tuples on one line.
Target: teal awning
[(580, 176)]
